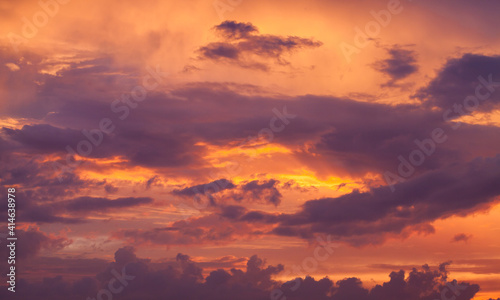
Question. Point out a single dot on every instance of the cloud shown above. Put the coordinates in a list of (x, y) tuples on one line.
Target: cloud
[(88, 204), (461, 237), (109, 188), (209, 229), (456, 190), (264, 191), (459, 78), (344, 138), (32, 241), (243, 46), (162, 149), (477, 266), (182, 278), (400, 64), (77, 209), (151, 181), (235, 30)]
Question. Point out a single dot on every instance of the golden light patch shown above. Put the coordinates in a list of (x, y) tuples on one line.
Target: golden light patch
[(110, 172), (17, 123), (219, 156), (480, 118)]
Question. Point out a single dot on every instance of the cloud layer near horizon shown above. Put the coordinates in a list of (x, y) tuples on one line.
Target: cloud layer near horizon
[(129, 277)]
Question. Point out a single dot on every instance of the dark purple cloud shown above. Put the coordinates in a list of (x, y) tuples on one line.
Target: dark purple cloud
[(78, 208), (461, 237), (135, 278), (350, 137), (252, 191), (456, 190), (242, 45), (400, 64), (205, 189), (263, 190), (87, 204), (459, 79), (358, 218), (345, 137), (30, 242), (145, 148), (235, 30)]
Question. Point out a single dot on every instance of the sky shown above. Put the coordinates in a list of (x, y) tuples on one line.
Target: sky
[(237, 149)]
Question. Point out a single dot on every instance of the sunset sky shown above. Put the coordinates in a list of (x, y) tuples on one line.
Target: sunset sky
[(218, 149)]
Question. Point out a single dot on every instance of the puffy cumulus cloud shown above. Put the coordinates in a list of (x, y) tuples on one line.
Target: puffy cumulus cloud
[(235, 30), (400, 64), (424, 283), (130, 277), (242, 45), (460, 79), (265, 191), (207, 189), (262, 190)]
